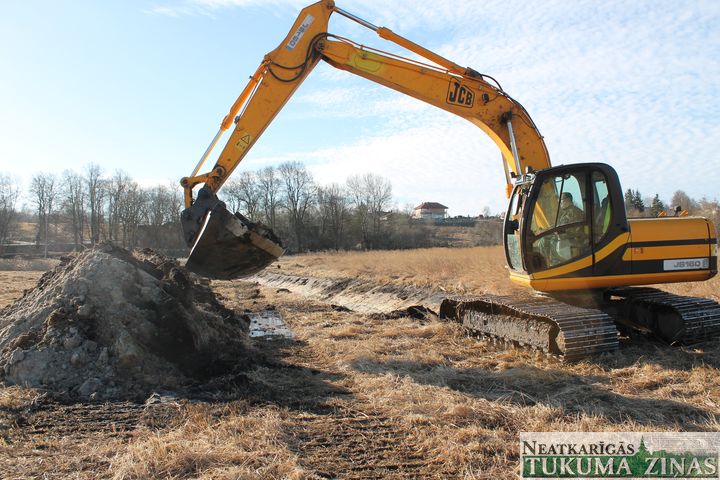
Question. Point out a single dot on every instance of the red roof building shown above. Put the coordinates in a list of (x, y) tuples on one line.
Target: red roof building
[(430, 211)]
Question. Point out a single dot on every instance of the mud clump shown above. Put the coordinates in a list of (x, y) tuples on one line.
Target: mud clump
[(108, 323)]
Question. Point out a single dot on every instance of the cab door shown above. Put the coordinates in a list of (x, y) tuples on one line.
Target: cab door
[(558, 224), (512, 239), (601, 214), (609, 222)]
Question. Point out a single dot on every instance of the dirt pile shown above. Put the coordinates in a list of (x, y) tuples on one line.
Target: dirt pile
[(108, 323)]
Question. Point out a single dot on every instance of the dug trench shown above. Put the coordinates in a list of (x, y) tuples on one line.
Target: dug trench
[(344, 395)]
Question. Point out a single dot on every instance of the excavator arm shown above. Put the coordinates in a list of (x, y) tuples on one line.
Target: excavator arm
[(226, 245)]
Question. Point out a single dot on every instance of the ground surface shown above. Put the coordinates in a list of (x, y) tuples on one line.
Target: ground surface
[(361, 396), (13, 284)]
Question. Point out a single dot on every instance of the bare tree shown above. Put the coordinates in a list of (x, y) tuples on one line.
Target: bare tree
[(370, 195), (94, 197), (159, 205), (709, 209), (43, 188), (116, 189), (9, 192), (131, 209), (73, 203), (299, 192), (231, 196), (164, 205), (356, 194), (333, 209), (243, 194), (682, 200), (269, 193)]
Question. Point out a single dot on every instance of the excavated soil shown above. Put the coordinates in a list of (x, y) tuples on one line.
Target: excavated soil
[(362, 296), (109, 323)]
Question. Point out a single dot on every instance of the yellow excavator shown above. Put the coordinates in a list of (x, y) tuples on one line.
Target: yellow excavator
[(565, 230)]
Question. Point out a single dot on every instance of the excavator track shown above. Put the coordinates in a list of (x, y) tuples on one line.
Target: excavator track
[(676, 319), (556, 328)]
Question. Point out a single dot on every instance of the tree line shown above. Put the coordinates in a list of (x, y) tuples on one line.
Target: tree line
[(638, 206), (84, 208), (309, 216)]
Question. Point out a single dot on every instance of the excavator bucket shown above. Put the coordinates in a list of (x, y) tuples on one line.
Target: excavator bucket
[(230, 246)]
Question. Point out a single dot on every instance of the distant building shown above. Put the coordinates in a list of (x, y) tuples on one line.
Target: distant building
[(430, 211)]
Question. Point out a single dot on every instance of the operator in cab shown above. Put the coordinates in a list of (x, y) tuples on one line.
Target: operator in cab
[(569, 213), (571, 240)]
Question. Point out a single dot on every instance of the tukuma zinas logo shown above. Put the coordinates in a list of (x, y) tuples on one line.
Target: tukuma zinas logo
[(619, 455)]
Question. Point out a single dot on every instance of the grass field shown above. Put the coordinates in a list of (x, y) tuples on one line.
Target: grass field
[(356, 396), (456, 269)]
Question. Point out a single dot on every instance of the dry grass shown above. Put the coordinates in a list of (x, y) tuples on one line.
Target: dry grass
[(456, 269), (59, 458), (20, 274), (27, 264), (232, 441), (26, 231), (14, 283), (464, 401), (17, 397)]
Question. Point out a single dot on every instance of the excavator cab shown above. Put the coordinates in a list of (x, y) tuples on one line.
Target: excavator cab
[(561, 219)]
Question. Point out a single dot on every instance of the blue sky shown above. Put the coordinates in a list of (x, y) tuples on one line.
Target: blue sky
[(142, 85)]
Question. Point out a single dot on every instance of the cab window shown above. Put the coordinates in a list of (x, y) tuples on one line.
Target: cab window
[(512, 235), (602, 208), (559, 230)]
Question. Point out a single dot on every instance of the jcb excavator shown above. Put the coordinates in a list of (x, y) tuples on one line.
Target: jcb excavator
[(565, 229)]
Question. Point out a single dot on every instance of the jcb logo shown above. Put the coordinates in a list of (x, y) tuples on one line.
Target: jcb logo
[(460, 95)]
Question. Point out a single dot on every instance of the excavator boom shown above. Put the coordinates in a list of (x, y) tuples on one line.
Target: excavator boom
[(226, 246)]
